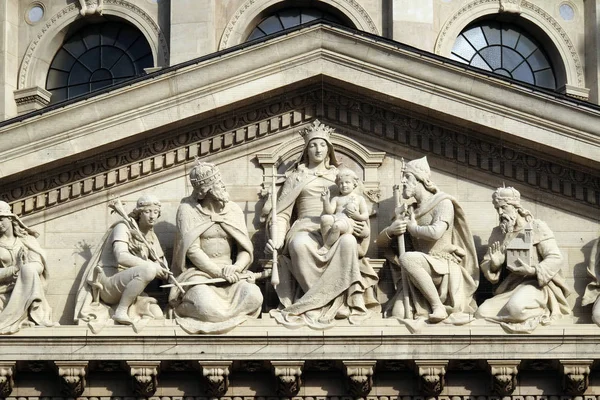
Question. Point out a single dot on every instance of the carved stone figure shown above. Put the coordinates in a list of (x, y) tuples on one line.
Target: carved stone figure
[(439, 277), (533, 290), (212, 242), (592, 291), (340, 211), (90, 7), (315, 289), (120, 270), (23, 276)]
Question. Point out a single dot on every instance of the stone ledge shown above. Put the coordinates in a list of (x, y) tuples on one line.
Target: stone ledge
[(263, 339)]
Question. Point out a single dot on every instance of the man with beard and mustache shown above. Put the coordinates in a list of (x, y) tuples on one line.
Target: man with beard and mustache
[(530, 292), (442, 272), (212, 242)]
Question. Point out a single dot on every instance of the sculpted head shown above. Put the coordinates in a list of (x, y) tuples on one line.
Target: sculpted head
[(346, 180), (417, 172), (147, 210), (507, 202), (206, 181), (10, 223), (317, 145)]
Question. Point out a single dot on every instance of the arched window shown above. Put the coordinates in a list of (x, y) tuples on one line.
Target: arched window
[(288, 18), (96, 56), (504, 49)]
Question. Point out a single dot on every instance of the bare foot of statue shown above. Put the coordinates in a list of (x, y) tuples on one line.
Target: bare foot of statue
[(438, 314)]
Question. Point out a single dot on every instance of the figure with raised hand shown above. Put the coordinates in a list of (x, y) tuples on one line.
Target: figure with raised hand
[(441, 273), (340, 212), (23, 276), (525, 261), (128, 259), (212, 244)]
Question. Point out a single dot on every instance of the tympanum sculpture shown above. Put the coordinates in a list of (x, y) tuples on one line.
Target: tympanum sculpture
[(592, 291), (533, 290), (23, 276), (117, 274), (439, 277), (212, 243), (317, 287)]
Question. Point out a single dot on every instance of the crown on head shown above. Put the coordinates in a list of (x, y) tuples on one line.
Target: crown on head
[(204, 173), (316, 131)]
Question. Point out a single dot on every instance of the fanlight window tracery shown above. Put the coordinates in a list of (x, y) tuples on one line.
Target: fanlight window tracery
[(96, 56), (289, 18), (507, 50)]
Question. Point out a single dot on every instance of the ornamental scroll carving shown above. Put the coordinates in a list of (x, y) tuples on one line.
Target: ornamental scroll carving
[(288, 375)]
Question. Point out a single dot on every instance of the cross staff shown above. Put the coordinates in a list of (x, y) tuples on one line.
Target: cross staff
[(273, 225)]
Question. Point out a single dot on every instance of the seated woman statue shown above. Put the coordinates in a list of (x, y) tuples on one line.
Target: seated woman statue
[(318, 287), (23, 276), (120, 270)]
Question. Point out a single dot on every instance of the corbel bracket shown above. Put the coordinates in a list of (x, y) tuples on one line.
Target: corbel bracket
[(289, 377)]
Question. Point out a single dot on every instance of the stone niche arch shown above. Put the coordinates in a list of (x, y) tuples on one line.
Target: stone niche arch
[(249, 14), (563, 54), (41, 50), (349, 152)]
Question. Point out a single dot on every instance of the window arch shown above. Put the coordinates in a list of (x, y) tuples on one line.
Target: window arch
[(96, 56), (505, 49), (286, 18)]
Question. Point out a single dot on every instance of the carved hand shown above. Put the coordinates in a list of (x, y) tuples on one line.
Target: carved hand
[(161, 273), (521, 268), (271, 245), (496, 254), (411, 225), (325, 194), (397, 228), (230, 273), (352, 213)]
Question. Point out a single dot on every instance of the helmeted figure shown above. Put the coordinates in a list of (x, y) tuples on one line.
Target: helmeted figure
[(441, 272), (119, 271), (23, 276), (532, 289), (212, 242), (318, 285)]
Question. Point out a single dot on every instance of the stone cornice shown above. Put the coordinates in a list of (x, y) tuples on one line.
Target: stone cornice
[(382, 339), (386, 68), (548, 180)]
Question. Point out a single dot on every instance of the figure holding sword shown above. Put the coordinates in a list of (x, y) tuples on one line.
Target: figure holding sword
[(213, 252)]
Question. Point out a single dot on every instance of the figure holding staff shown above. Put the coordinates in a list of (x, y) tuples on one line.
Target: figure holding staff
[(442, 272)]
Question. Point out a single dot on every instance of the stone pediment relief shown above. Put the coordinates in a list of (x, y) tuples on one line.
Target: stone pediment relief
[(351, 154)]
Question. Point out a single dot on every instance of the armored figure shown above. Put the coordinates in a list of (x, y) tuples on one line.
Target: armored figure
[(439, 277), (532, 291)]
